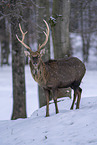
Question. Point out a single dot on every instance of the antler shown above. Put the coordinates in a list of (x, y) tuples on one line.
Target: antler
[(46, 34), (23, 37)]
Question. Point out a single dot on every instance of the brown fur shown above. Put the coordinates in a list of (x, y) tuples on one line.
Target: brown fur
[(62, 73)]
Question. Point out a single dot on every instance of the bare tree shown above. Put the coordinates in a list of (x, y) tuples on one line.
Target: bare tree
[(60, 32), (4, 38), (19, 95), (84, 13), (60, 27), (85, 21)]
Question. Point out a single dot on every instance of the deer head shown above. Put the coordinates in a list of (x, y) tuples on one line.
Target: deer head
[(35, 57)]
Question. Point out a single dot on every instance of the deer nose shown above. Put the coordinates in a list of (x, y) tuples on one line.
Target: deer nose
[(35, 64)]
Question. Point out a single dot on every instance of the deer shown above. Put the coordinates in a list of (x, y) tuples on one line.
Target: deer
[(54, 74)]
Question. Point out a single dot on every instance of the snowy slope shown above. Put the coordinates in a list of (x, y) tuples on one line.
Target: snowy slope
[(69, 127)]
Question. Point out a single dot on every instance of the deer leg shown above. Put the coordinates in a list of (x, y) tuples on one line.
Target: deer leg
[(55, 100), (74, 98), (79, 97), (47, 93), (56, 106)]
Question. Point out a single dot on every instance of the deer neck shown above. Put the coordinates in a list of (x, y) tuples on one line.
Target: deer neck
[(38, 73)]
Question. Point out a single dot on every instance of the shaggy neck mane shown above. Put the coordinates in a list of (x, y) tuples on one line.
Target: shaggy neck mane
[(39, 72)]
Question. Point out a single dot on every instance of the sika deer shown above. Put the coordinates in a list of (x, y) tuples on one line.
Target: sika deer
[(54, 74)]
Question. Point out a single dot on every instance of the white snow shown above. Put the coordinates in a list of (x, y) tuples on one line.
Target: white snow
[(76, 127)]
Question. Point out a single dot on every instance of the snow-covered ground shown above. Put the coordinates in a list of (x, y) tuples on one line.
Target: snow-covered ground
[(69, 127)]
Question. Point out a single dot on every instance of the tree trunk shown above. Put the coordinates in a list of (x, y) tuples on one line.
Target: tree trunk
[(60, 31), (18, 74), (85, 24), (4, 42), (43, 13)]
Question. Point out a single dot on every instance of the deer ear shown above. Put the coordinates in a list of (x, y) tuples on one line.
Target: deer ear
[(42, 52), (27, 53)]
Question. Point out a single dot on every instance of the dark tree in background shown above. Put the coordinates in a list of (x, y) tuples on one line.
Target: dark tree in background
[(83, 22), (85, 34), (4, 39), (19, 95), (60, 28), (60, 33)]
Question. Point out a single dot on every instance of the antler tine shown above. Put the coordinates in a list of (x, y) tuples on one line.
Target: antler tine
[(46, 34), (23, 37)]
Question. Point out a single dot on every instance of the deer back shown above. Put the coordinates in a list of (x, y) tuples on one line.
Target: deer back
[(61, 73)]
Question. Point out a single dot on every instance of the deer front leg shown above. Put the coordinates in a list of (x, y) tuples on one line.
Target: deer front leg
[(47, 93)]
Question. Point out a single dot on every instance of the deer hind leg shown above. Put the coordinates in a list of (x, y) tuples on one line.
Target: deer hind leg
[(47, 93), (55, 100), (74, 98), (79, 91)]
